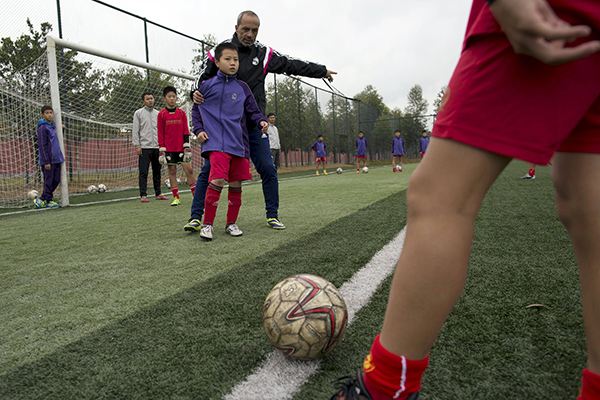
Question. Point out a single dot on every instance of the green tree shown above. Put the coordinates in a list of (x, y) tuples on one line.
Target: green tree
[(210, 41), (437, 103)]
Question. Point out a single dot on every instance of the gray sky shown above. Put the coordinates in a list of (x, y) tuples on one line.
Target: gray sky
[(389, 44)]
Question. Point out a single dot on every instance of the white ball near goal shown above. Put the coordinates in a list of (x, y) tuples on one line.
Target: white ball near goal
[(33, 194), (92, 189), (101, 188), (365, 170)]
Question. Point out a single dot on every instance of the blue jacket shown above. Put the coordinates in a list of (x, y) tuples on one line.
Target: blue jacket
[(423, 144), (397, 146), (48, 146), (361, 146), (228, 102), (320, 149)]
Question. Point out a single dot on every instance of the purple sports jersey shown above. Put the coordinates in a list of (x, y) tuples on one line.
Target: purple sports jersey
[(423, 143), (320, 149), (361, 146), (397, 146)]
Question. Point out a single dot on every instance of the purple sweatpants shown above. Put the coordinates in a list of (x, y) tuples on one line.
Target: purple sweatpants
[(51, 181)]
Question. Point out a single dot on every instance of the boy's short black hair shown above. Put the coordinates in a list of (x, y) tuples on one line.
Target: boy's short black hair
[(46, 108), (271, 114), (359, 132), (168, 90), (319, 135), (397, 130), (147, 93), (224, 46)]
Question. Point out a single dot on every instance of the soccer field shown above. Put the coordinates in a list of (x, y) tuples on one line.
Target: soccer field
[(116, 301)]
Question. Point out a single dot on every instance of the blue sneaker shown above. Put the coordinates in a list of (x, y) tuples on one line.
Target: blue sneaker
[(275, 223), (39, 203), (52, 204)]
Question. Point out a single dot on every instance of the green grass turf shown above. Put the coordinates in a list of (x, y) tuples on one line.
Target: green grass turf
[(66, 273), (492, 347), (200, 341)]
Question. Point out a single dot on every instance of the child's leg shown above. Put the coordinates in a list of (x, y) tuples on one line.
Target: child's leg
[(187, 168), (431, 272), (357, 164), (234, 197), (576, 177), (55, 178), (213, 193), (173, 180)]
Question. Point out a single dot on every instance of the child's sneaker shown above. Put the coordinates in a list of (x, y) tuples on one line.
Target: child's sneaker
[(206, 232), (275, 223), (325, 172), (161, 197), (193, 225), (39, 203), (175, 202), (317, 173), (144, 199), (52, 204), (233, 230)]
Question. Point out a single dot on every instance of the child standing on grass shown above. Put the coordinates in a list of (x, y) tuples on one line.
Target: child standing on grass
[(174, 142), (320, 149), (50, 158), (361, 151), (220, 124), (423, 143), (397, 151)]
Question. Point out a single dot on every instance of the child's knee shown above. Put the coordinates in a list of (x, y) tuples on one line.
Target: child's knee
[(218, 182)]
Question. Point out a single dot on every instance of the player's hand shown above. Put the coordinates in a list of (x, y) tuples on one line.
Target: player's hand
[(264, 126), (138, 150), (47, 167), (198, 97), (329, 75), (162, 159), (187, 153), (534, 29), (202, 137)]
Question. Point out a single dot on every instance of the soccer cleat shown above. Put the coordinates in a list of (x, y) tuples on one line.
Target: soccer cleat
[(175, 202), (206, 232), (193, 225), (275, 223), (39, 203), (325, 172), (527, 176), (353, 388), (358, 171), (233, 230), (144, 199), (160, 197), (52, 204)]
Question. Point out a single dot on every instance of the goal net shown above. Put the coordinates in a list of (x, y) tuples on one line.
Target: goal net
[(94, 95)]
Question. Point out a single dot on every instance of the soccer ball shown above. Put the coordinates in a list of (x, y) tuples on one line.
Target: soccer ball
[(304, 316), (339, 171), (398, 168), (101, 188), (92, 189), (365, 170), (33, 194), (168, 183)]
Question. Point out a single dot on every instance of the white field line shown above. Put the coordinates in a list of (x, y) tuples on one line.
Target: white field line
[(280, 378)]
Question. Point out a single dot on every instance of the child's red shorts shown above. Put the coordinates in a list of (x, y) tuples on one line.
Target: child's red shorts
[(361, 157), (516, 106), (321, 159), (228, 167)]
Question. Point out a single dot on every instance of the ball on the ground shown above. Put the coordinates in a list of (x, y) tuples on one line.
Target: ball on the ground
[(101, 188), (339, 170), (168, 183), (399, 168), (304, 316), (365, 170), (92, 189), (33, 194)]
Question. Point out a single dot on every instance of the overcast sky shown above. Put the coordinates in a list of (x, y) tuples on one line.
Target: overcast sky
[(389, 44)]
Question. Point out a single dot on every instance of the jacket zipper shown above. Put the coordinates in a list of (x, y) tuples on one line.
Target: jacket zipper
[(221, 116)]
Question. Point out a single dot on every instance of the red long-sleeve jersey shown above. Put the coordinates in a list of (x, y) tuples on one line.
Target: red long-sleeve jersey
[(172, 128)]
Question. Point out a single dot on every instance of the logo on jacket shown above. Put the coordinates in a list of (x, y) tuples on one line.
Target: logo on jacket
[(234, 96), (255, 61)]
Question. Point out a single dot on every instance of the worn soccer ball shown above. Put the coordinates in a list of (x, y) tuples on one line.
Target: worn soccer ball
[(33, 194), (339, 171), (399, 168), (365, 170), (101, 188), (168, 183), (304, 316), (92, 189)]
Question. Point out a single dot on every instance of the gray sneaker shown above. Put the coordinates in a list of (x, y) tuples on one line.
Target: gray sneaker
[(206, 232), (233, 230)]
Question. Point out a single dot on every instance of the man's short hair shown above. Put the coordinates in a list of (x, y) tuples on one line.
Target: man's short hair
[(168, 90), (46, 108), (244, 13), (147, 93), (271, 115), (224, 46)]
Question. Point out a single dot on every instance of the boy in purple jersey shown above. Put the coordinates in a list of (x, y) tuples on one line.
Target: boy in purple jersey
[(320, 149), (50, 158), (361, 151), (423, 143), (220, 124), (397, 151)]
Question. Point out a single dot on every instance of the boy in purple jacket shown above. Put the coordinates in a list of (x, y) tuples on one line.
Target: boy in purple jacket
[(320, 149), (50, 158), (361, 151), (423, 143), (220, 125), (397, 151)]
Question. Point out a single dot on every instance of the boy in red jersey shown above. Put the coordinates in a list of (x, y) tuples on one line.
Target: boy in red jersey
[(528, 72), (174, 142)]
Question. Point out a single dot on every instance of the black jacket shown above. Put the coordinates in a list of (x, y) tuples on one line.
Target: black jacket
[(256, 62)]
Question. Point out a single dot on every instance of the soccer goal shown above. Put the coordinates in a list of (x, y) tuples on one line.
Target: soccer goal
[(94, 95)]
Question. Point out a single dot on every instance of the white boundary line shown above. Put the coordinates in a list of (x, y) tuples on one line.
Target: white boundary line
[(280, 378)]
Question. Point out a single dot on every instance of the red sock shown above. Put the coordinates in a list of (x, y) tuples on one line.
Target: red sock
[(388, 376), (193, 189), (234, 196), (590, 386), (211, 202), (175, 191), (531, 171)]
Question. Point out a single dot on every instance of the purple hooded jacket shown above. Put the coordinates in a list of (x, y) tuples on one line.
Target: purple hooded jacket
[(228, 102), (48, 146), (397, 146), (361, 146)]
